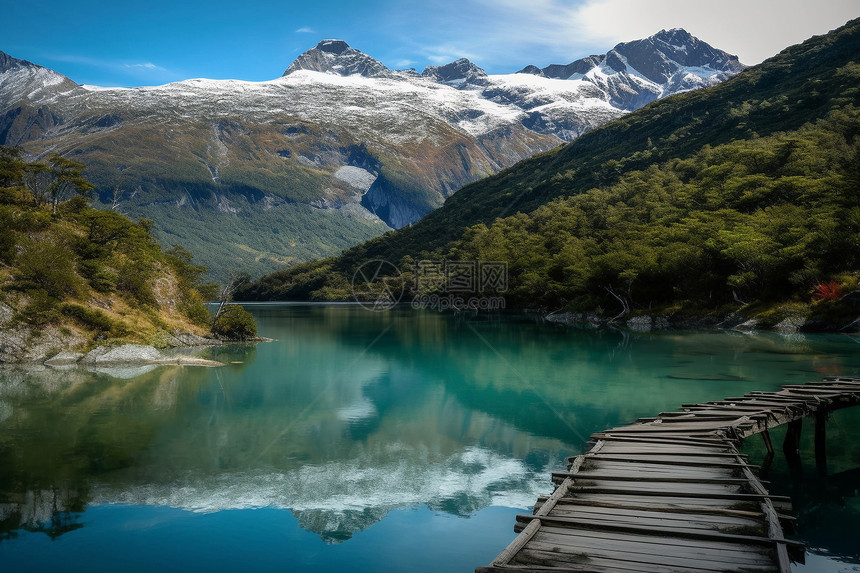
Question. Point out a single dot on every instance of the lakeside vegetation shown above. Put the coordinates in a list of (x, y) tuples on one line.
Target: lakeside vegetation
[(743, 197), (83, 276)]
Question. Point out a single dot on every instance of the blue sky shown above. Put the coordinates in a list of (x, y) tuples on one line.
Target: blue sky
[(134, 43)]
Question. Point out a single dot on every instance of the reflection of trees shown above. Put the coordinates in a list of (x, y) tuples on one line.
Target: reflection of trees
[(340, 448), (63, 428), (52, 512)]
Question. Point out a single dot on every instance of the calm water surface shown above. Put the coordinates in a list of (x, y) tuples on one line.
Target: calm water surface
[(398, 441)]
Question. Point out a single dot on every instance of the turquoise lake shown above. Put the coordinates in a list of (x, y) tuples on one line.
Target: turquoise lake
[(374, 441)]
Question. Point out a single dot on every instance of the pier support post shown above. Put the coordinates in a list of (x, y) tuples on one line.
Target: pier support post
[(767, 443), (791, 445), (820, 443)]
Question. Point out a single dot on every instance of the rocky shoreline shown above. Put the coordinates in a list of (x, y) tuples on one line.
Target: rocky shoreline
[(794, 324), (22, 344), (127, 355)]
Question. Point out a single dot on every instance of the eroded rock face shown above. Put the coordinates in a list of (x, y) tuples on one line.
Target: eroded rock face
[(22, 343), (125, 354)]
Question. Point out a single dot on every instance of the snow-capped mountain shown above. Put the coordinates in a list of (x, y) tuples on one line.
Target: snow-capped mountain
[(338, 149), (636, 73), (335, 56), (21, 80)]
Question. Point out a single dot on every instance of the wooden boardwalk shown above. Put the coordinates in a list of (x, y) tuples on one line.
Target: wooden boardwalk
[(672, 493)]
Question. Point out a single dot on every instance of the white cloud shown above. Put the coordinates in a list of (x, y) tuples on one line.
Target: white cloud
[(444, 54), (752, 29), (306, 30), (146, 66), (504, 34)]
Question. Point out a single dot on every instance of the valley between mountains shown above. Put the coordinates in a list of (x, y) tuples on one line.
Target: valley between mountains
[(253, 177)]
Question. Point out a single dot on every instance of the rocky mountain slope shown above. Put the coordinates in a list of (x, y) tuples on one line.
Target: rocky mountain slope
[(746, 192), (252, 176)]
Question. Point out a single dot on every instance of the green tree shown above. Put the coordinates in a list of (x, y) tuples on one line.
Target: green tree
[(235, 323), (68, 180)]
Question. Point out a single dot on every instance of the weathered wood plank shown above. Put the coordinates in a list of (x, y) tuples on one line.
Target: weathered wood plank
[(517, 544), (658, 470), (682, 494), (537, 560), (628, 550), (592, 477), (711, 439), (680, 535), (660, 518), (656, 546), (717, 512), (714, 443), (643, 501), (669, 460), (627, 451), (638, 515), (657, 524)]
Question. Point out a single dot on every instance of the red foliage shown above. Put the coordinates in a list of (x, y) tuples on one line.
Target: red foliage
[(828, 291)]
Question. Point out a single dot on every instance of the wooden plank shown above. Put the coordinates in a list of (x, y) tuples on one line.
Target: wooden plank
[(680, 536), (548, 560), (638, 478), (666, 460), (545, 553), (670, 552), (635, 515), (661, 487), (627, 450), (739, 417), (517, 544), (655, 470), (841, 386), (715, 443), (655, 545), (699, 510), (663, 524), (670, 442), (681, 494), (689, 414), (774, 526), (666, 502), (590, 567), (689, 429)]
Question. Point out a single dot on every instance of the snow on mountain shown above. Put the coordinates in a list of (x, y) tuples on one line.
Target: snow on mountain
[(633, 74), (339, 132), (336, 57), (23, 80)]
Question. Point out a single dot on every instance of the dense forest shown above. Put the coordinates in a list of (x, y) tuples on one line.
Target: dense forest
[(743, 196)]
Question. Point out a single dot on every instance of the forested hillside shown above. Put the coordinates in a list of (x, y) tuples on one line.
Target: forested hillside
[(745, 195), (72, 276)]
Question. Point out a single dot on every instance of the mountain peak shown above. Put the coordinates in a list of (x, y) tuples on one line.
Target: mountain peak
[(23, 80), (333, 46), (660, 56), (640, 71), (457, 72), (7, 62), (338, 58)]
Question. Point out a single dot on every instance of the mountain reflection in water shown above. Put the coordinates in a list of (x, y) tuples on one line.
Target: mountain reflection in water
[(351, 415)]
